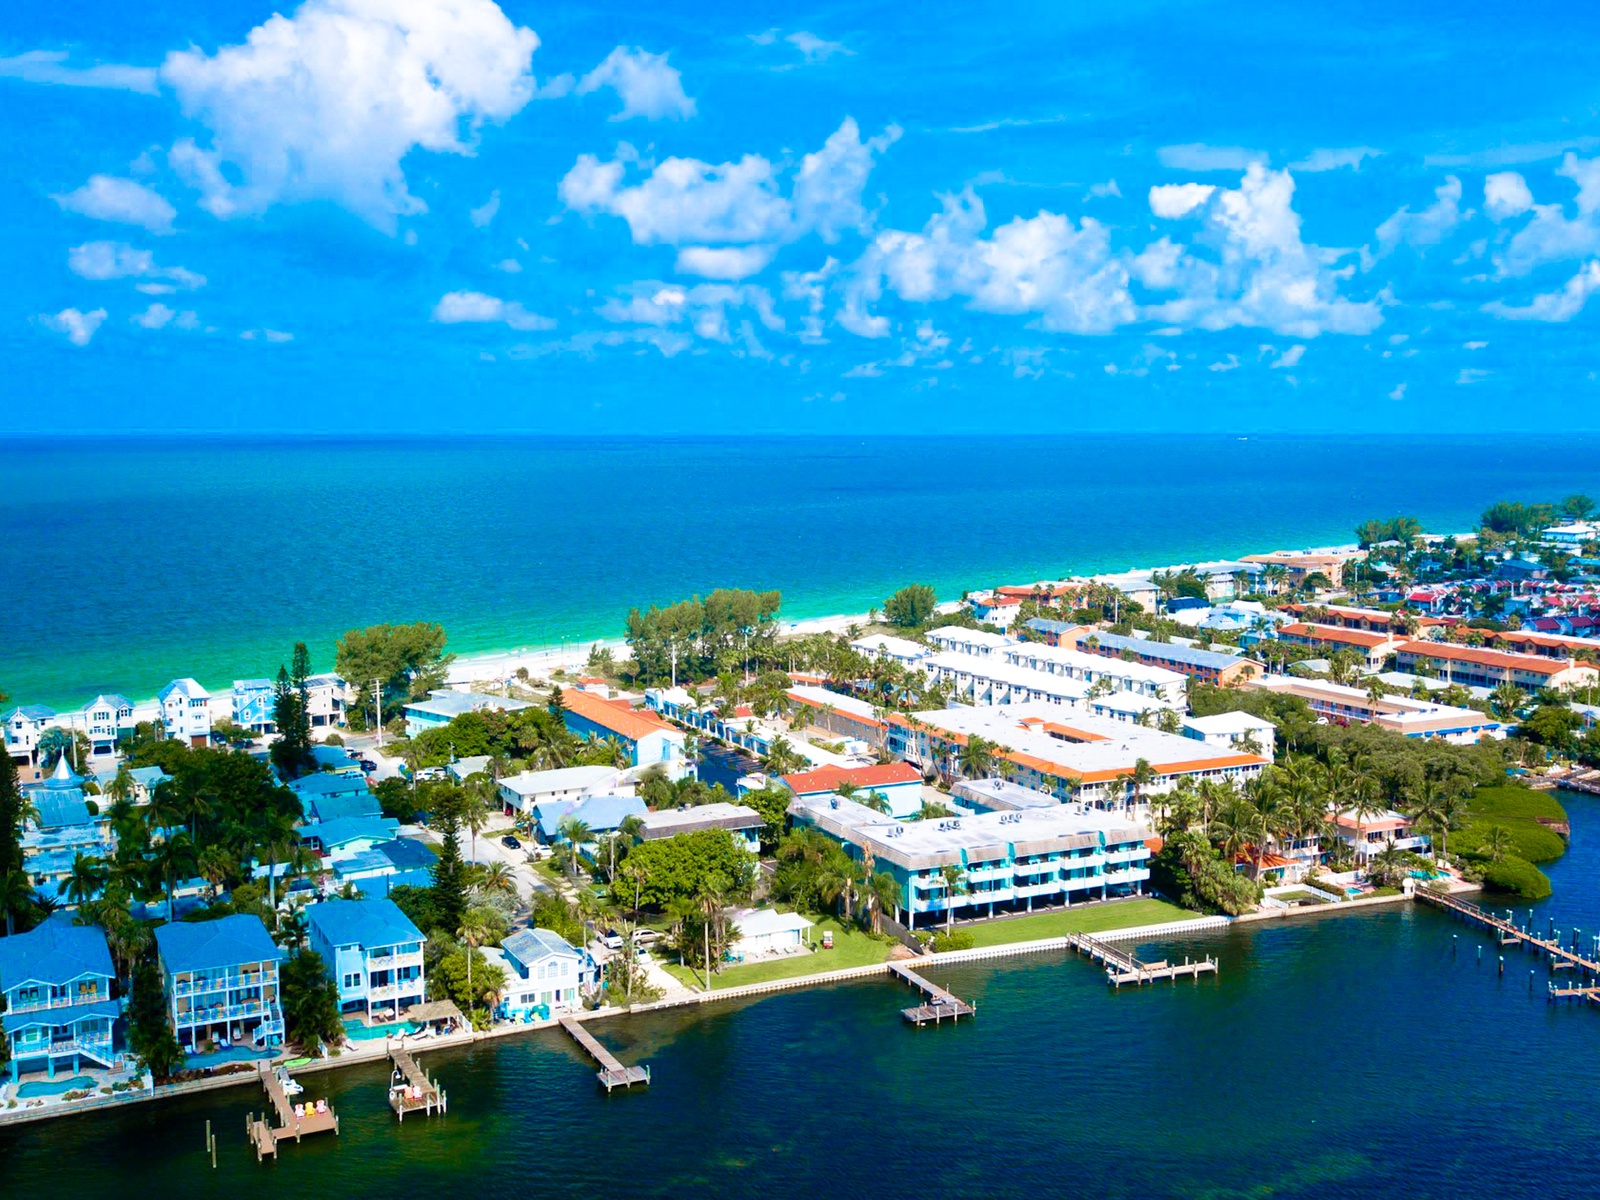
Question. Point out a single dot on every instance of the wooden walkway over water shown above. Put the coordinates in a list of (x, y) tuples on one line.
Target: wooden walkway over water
[(941, 1005), (612, 1073), (1122, 967), (1549, 947), (410, 1088), (293, 1121)]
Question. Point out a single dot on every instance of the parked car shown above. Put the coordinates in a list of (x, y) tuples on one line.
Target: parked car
[(510, 842), (611, 939), (367, 765), (645, 936)]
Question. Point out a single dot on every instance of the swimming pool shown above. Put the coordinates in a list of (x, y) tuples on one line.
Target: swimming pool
[(357, 1032), (36, 1088)]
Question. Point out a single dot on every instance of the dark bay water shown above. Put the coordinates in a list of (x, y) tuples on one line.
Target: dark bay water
[(1354, 1056), (134, 560)]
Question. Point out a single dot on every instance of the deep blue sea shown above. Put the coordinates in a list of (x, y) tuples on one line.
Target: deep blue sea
[(131, 561)]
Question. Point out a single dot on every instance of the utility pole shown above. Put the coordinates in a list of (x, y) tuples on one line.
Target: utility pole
[(377, 698)]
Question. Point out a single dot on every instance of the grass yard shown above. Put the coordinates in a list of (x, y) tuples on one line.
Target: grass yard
[(1516, 808), (851, 948), (1089, 918)]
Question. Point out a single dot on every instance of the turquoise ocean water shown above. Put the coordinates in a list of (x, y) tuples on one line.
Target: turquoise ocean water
[(1370, 1055), (131, 561)]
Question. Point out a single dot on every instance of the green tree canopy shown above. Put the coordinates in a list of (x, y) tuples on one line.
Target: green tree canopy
[(911, 606), (406, 661), (679, 868), (696, 639)]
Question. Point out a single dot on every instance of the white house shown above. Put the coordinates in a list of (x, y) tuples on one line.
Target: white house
[(185, 709), (327, 697), (105, 720), (764, 932), (979, 643), (24, 725), (545, 975), (520, 793)]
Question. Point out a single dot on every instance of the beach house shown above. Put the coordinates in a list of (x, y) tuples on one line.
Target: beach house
[(105, 720), (643, 735), (743, 822), (185, 709), (221, 982), (1370, 834), (56, 982), (372, 951), (599, 815), (24, 725), (444, 705), (254, 702), (61, 827), (546, 975), (765, 932)]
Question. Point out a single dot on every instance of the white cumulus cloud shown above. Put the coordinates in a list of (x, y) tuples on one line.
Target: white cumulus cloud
[(647, 84), (326, 104), (704, 308), (1335, 159), (724, 262), (1552, 236), (1506, 194), (124, 201), (1556, 306), (118, 260), (79, 327), (1174, 200), (1429, 226), (686, 201), (484, 213), (457, 308)]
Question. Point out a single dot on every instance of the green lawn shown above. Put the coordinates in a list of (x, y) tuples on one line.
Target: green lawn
[(1096, 918), (851, 948), (1516, 808)]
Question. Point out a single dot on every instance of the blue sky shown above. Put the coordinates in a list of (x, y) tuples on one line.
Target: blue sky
[(457, 215)]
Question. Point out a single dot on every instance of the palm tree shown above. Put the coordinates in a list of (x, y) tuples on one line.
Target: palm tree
[(880, 892), (977, 757), (1506, 700), (781, 758), (216, 864), (955, 884), (573, 833), (710, 897), (16, 896), (86, 880), (1497, 840), (121, 785), (174, 859), (1142, 776), (498, 877), (474, 932), (475, 810)]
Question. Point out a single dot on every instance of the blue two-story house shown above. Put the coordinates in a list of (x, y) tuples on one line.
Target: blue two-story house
[(373, 952), (545, 975), (56, 980), (221, 981)]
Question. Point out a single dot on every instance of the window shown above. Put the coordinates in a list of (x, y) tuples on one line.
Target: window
[(352, 981)]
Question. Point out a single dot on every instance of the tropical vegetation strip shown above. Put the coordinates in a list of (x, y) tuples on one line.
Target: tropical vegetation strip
[(1506, 831), (851, 948)]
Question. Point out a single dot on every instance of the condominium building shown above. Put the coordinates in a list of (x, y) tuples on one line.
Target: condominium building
[(989, 863), (1473, 667), (1372, 649), (1204, 666), (893, 649), (444, 705), (978, 643), (644, 735), (1405, 715), (836, 713), (1069, 755), (1135, 678)]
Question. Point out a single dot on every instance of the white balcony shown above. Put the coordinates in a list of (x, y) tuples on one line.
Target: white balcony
[(59, 1002), (390, 991), (389, 962)]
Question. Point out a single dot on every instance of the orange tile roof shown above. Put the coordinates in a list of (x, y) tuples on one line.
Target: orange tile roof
[(1531, 663), (618, 716), (828, 779), (1072, 734), (1336, 633)]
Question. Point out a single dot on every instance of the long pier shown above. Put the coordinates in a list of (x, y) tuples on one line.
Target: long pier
[(1122, 967), (940, 1006), (411, 1090), (1508, 933), (612, 1073), (293, 1121)]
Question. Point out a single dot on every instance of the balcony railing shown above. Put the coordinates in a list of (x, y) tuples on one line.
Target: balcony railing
[(385, 962), (222, 1012), (388, 991), (58, 1002), (219, 983)]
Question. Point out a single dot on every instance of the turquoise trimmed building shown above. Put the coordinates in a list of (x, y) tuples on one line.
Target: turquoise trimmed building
[(221, 981), (56, 982)]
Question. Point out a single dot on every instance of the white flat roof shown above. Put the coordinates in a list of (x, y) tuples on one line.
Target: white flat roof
[(763, 922), (1229, 722), (1010, 673), (959, 635), (1098, 664), (560, 779), (887, 644), (819, 696)]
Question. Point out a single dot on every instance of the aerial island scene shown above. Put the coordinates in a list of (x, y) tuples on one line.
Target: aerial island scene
[(778, 601)]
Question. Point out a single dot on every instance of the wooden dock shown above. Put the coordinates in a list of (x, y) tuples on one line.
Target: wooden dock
[(410, 1089), (1507, 932), (292, 1121), (1122, 967), (612, 1074), (940, 1006)]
